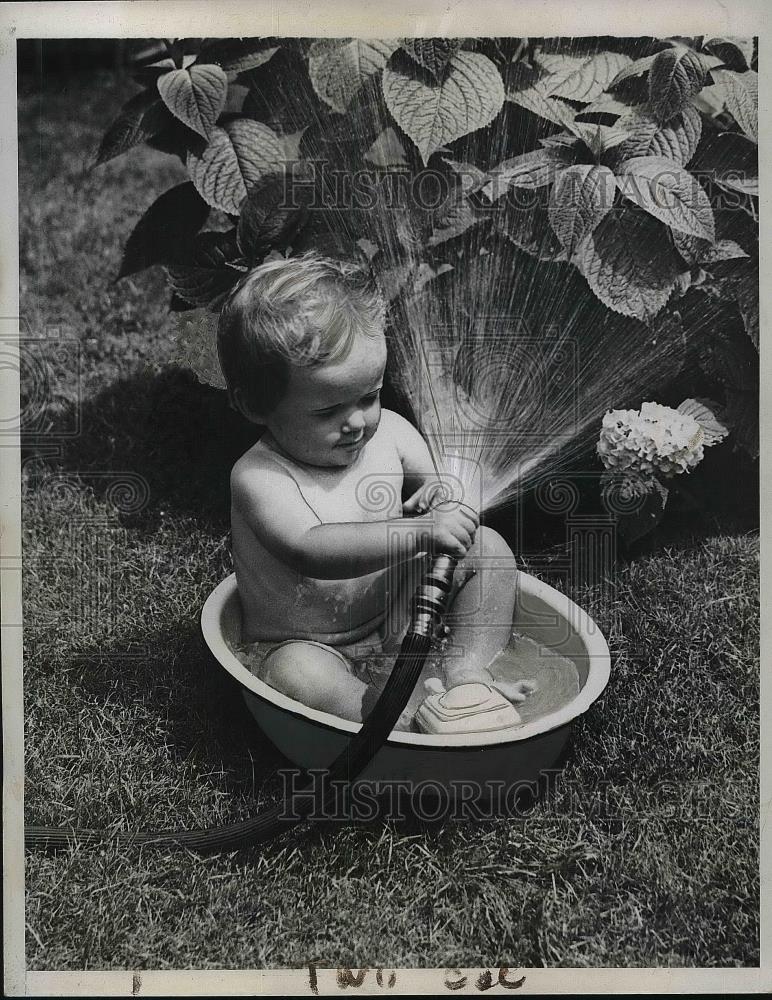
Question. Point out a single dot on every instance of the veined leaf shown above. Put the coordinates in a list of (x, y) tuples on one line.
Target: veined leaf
[(676, 75), (164, 233), (196, 345), (698, 251), (140, 119), (599, 138), (527, 226), (529, 170), (607, 104), (581, 196), (581, 78), (339, 66), (238, 155), (699, 410), (677, 140), (433, 54), (201, 286), (669, 193), (636, 68), (746, 289), (625, 266), (271, 213), (432, 115), (741, 98), (735, 53), (536, 98), (196, 96), (237, 55), (454, 219), (731, 160)]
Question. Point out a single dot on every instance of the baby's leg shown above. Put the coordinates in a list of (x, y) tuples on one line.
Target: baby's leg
[(317, 676), (480, 618), (320, 677)]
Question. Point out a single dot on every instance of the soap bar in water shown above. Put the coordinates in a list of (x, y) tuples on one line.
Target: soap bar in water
[(466, 708)]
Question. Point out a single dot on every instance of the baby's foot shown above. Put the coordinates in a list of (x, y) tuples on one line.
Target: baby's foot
[(515, 691)]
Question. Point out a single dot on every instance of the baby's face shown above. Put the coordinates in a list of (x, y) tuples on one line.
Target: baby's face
[(330, 411)]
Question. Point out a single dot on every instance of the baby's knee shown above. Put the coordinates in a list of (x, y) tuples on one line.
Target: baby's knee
[(301, 670), (489, 543)]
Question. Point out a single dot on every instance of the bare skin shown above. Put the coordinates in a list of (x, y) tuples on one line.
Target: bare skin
[(329, 420)]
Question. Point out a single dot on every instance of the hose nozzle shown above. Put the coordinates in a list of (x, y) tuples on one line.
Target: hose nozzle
[(430, 600)]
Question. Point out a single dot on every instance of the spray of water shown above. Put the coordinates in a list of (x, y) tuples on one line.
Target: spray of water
[(503, 356)]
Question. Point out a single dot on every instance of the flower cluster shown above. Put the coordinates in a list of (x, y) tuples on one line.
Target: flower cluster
[(653, 440)]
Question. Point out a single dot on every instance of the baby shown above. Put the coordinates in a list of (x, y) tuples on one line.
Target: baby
[(326, 553)]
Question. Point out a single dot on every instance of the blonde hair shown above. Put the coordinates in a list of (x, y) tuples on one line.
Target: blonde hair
[(302, 310)]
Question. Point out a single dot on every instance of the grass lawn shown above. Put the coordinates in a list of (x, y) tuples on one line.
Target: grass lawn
[(644, 854)]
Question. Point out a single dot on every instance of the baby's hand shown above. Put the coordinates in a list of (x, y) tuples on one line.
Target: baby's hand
[(424, 498), (450, 529)]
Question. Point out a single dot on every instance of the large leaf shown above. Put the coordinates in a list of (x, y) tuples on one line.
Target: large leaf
[(529, 170), (529, 88), (713, 430), (647, 514), (469, 98), (731, 160), (581, 78), (164, 233), (746, 289), (196, 345), (633, 69), (735, 53), (627, 265), (727, 356), (527, 226), (433, 54), (238, 155), (741, 98), (196, 96), (581, 196), (677, 140), (456, 217), (272, 213), (697, 251), (237, 55), (675, 76), (669, 193), (140, 119), (599, 138), (201, 286), (339, 66)]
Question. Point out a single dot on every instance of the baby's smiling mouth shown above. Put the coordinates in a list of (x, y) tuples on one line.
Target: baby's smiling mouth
[(352, 442)]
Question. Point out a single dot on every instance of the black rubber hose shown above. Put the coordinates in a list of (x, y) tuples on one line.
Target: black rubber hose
[(429, 603)]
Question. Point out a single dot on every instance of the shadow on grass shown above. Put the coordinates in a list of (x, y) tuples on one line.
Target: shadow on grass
[(198, 705), (181, 436)]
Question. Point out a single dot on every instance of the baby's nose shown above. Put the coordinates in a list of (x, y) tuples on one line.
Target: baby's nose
[(354, 421)]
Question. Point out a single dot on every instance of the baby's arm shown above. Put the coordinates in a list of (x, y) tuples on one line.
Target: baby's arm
[(423, 484), (273, 507)]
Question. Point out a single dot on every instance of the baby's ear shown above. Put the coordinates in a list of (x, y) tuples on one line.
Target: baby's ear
[(236, 400)]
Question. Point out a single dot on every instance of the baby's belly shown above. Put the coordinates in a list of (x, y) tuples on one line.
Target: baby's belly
[(331, 611)]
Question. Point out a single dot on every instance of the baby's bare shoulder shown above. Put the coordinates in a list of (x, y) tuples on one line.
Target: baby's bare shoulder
[(405, 438), (256, 474), (395, 427)]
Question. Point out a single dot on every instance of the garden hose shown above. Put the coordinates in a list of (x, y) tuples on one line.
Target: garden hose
[(429, 604)]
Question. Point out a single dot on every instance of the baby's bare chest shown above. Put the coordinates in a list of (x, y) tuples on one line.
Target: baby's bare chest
[(368, 490)]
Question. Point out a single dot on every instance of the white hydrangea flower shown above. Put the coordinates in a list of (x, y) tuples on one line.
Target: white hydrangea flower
[(653, 440)]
